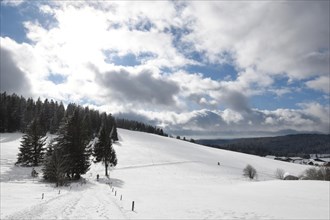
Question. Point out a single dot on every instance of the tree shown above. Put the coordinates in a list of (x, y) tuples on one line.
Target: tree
[(32, 146), (103, 150), (112, 124), (29, 113), (279, 174), (55, 165), (249, 171), (72, 141)]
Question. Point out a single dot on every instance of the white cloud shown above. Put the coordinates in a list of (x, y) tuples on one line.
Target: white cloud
[(12, 3), (274, 37), (230, 116), (321, 83)]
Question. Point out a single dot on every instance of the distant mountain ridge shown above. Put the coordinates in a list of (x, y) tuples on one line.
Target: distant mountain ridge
[(288, 145)]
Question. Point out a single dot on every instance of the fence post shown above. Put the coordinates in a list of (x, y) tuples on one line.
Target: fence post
[(115, 193), (42, 196), (59, 191), (121, 197), (133, 206)]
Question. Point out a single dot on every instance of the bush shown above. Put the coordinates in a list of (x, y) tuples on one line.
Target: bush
[(250, 171), (317, 174), (279, 174)]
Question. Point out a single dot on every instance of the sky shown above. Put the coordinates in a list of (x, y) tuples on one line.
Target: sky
[(205, 69)]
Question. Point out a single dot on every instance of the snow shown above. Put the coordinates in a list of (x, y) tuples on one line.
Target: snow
[(167, 179)]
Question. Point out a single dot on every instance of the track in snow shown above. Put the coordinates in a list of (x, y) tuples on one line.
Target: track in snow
[(93, 201)]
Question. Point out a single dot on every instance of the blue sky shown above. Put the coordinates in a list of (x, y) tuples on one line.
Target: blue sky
[(198, 67)]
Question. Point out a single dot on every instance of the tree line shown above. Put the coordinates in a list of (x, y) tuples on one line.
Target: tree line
[(290, 145), (16, 112), (81, 134), (139, 126)]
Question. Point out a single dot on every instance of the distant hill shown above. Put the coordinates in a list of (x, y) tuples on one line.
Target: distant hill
[(289, 145)]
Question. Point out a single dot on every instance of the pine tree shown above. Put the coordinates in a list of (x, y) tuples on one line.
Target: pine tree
[(29, 113), (32, 146), (56, 165), (111, 123), (3, 112), (73, 142), (103, 150)]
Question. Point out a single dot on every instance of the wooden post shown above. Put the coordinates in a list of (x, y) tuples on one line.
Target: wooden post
[(133, 206), (121, 197), (115, 193), (42, 196), (59, 191)]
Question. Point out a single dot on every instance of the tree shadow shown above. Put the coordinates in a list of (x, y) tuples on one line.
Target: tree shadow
[(19, 173), (112, 182)]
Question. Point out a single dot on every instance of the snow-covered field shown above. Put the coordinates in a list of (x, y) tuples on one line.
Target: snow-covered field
[(167, 179)]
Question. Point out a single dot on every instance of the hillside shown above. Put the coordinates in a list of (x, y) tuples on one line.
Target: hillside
[(289, 145), (167, 179)]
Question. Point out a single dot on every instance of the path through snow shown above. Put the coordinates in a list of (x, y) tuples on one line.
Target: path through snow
[(92, 200)]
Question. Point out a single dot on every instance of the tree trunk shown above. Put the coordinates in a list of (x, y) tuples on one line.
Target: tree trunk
[(106, 169)]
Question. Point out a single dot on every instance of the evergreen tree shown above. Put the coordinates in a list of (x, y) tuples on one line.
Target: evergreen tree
[(3, 112), (55, 165), (103, 150), (32, 146), (14, 113), (29, 113), (112, 124), (72, 141)]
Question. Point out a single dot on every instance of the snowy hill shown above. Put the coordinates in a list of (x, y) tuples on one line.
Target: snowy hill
[(166, 178)]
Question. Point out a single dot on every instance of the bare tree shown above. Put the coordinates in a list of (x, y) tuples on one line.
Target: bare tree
[(279, 174), (250, 171)]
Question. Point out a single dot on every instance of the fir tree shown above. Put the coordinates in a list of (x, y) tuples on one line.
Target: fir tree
[(103, 150), (32, 146), (56, 165), (72, 140), (111, 123)]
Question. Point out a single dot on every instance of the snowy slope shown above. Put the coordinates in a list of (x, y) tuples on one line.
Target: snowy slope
[(167, 178)]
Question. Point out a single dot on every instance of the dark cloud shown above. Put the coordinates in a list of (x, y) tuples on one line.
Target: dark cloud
[(236, 101), (138, 88), (12, 79)]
